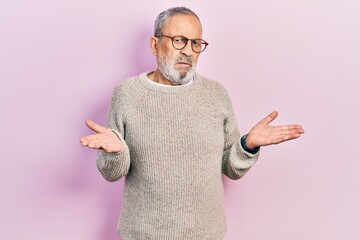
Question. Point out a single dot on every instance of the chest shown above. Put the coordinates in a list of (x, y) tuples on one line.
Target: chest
[(169, 122)]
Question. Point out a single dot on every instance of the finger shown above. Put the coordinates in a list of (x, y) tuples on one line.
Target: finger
[(84, 141), (95, 127), (297, 130), (292, 126), (87, 143), (97, 143), (93, 138), (290, 137), (269, 118), (281, 137), (94, 145), (291, 129), (286, 137), (286, 129), (91, 144)]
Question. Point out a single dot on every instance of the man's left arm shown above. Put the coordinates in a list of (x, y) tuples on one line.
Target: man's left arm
[(240, 154), (237, 160)]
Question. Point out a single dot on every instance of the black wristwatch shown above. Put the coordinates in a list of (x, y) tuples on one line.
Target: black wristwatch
[(249, 150)]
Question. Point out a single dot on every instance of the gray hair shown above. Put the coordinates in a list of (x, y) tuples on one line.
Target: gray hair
[(164, 16)]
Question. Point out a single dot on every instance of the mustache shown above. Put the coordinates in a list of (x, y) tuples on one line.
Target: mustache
[(185, 59)]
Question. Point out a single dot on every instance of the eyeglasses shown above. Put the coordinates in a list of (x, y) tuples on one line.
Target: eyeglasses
[(180, 42)]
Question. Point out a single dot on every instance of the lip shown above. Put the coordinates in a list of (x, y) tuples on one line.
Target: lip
[(184, 63)]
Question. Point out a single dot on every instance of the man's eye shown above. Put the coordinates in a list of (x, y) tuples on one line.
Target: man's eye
[(197, 42), (178, 40)]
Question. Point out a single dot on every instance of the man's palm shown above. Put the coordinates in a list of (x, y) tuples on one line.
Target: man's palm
[(103, 139), (262, 134)]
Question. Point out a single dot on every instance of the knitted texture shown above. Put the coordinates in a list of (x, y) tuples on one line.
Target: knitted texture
[(177, 143)]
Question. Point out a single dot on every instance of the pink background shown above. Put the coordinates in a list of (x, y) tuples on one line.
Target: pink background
[(60, 60)]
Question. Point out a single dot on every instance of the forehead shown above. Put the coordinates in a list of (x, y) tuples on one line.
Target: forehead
[(183, 24)]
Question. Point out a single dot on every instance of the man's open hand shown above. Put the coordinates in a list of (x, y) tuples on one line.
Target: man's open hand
[(103, 139), (262, 134)]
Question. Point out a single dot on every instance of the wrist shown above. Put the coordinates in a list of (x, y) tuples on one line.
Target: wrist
[(248, 146), (248, 143)]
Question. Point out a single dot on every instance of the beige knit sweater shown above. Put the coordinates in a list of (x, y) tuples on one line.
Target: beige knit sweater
[(177, 143)]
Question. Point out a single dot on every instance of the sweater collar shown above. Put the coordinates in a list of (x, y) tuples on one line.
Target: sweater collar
[(145, 81)]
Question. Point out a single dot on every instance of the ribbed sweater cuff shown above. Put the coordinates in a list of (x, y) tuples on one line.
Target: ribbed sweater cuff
[(251, 155), (114, 165)]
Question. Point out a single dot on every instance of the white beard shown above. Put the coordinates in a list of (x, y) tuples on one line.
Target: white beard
[(167, 69)]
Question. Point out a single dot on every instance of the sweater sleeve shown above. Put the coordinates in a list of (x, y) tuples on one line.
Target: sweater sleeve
[(113, 166), (236, 161)]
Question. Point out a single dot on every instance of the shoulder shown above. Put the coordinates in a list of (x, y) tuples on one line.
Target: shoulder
[(128, 95), (129, 89), (215, 93), (126, 87), (211, 85)]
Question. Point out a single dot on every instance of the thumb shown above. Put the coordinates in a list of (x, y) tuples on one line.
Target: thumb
[(269, 118), (95, 127)]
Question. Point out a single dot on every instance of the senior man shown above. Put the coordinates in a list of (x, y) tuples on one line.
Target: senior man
[(172, 133)]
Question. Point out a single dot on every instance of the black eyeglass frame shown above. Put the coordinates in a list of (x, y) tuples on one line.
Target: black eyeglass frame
[(193, 41)]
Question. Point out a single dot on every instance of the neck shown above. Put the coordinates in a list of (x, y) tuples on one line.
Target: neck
[(156, 76)]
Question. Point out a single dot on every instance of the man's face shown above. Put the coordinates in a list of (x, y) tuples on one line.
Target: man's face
[(178, 65)]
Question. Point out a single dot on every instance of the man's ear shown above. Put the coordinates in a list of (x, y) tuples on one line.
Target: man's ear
[(154, 45)]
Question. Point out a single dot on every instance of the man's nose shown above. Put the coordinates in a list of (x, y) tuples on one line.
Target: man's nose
[(187, 50)]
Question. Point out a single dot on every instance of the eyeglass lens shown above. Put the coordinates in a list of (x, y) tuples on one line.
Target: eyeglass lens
[(179, 42)]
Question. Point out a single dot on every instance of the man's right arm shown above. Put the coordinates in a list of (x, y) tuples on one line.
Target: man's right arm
[(113, 160)]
